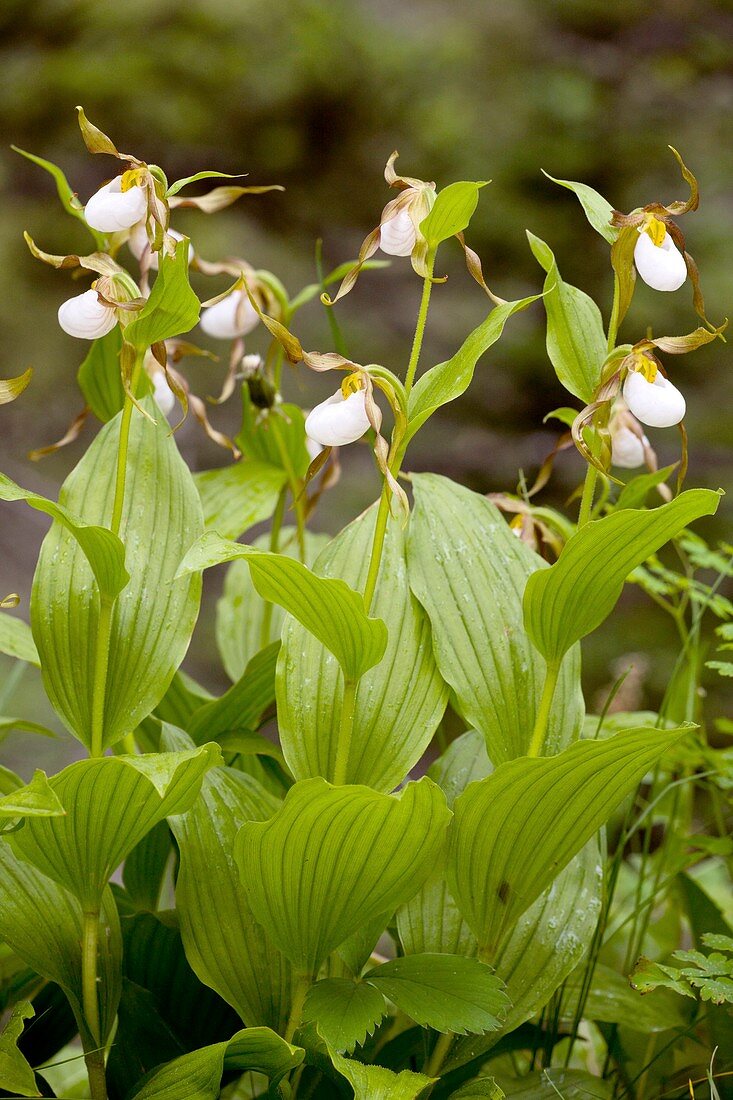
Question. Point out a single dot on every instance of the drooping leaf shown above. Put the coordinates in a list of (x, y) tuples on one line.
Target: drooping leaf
[(100, 378), (515, 831), (172, 308), (34, 799), (16, 639), (10, 388), (576, 343), (345, 1011), (376, 1083), (243, 625), (447, 381), (16, 1075), (226, 946), (469, 572), (42, 922), (152, 624), (103, 551), (635, 492), (399, 702), (110, 803), (451, 212), (240, 709), (371, 851), (598, 210), (328, 608), (570, 599), (197, 1076), (446, 992), (236, 497)]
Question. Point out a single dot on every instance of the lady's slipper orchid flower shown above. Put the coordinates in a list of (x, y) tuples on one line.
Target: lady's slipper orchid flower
[(657, 259), (116, 207), (656, 403), (86, 317), (629, 446), (341, 418), (397, 235), (233, 316)]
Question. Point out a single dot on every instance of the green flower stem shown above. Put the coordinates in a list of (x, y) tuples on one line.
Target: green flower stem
[(294, 482), (302, 985), (106, 606), (539, 732), (346, 732), (439, 1055), (277, 521), (586, 501), (613, 322), (90, 1001), (422, 317)]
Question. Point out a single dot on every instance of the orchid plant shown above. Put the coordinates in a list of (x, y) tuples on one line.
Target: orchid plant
[(396, 858)]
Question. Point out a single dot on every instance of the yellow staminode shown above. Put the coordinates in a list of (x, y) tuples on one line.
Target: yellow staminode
[(131, 177), (351, 384), (656, 230)]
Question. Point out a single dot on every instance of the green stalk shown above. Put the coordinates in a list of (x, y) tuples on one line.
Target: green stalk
[(346, 733), (539, 732), (422, 317), (277, 520), (90, 1001), (439, 1055), (106, 606)]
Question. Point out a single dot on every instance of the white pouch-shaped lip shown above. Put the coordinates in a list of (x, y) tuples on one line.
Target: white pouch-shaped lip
[(397, 235), (111, 209), (657, 404), (85, 317), (662, 266), (338, 420)]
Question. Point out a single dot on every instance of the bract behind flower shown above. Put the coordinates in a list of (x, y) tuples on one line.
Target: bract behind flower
[(85, 317), (111, 210), (658, 404)]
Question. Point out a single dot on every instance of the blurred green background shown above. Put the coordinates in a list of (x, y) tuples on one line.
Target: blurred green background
[(314, 96)]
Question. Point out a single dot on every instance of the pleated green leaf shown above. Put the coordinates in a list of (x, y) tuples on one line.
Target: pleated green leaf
[(197, 1076), (345, 1011), (225, 945), (16, 639), (513, 832), (469, 572), (236, 497), (570, 599), (102, 551), (110, 803), (446, 992), (598, 210), (34, 799), (172, 308), (153, 621), (42, 922), (16, 1075), (451, 212), (399, 702), (447, 381), (328, 608), (243, 625), (239, 710), (576, 342), (376, 1083), (368, 852), (145, 867)]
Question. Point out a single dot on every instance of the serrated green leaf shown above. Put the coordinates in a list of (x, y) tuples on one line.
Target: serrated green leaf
[(376, 1083), (153, 622), (197, 1076), (451, 212), (34, 799), (16, 1075), (513, 832), (612, 1000), (371, 851), (446, 992), (16, 639), (236, 497), (226, 947), (328, 608), (576, 343), (598, 210), (469, 572), (447, 381), (345, 1011), (647, 976), (102, 550), (570, 599), (172, 308), (110, 803), (399, 701)]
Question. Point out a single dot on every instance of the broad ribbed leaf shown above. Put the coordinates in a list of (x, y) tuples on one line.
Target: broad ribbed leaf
[(451, 212), (328, 608), (16, 1075), (277, 439), (243, 625), (110, 803), (153, 620), (376, 1083), (102, 551), (16, 639), (145, 867), (226, 947), (570, 599), (332, 858), (172, 308), (399, 702), (42, 922), (570, 1084), (513, 832), (446, 992), (598, 210), (240, 709), (469, 572), (236, 497), (447, 381), (34, 799), (345, 1011), (197, 1076), (481, 1088), (576, 342)]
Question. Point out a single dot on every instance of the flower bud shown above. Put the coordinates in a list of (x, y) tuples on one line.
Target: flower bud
[(231, 317), (658, 404), (338, 420), (138, 243), (661, 266), (111, 209), (627, 449), (162, 392), (397, 235), (86, 317)]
